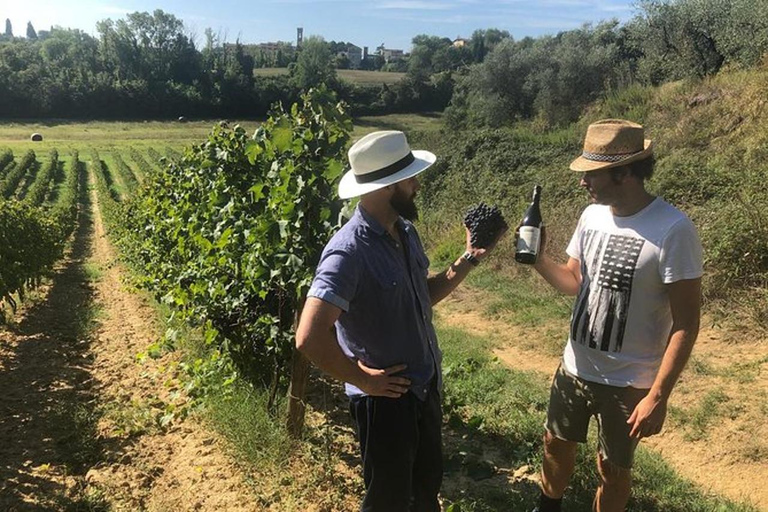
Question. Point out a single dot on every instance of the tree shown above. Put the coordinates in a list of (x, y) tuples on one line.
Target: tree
[(315, 64), (31, 34), (151, 47), (8, 28), (422, 59)]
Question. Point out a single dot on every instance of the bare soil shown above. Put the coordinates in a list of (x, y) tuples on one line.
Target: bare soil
[(80, 418), (727, 456)]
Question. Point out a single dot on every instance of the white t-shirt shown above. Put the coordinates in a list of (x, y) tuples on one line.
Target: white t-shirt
[(621, 319)]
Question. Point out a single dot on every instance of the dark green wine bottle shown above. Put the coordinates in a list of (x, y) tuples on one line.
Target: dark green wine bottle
[(529, 238)]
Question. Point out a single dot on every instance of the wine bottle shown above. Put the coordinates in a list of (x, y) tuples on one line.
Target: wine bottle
[(529, 237)]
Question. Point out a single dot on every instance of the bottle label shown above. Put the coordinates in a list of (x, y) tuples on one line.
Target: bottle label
[(529, 239)]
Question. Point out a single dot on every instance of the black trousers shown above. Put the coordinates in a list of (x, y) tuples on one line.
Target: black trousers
[(401, 446)]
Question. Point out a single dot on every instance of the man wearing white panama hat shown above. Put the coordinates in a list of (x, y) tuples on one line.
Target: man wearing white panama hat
[(368, 322), (635, 266)]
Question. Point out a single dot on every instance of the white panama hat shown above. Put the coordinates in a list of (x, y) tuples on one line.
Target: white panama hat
[(380, 159)]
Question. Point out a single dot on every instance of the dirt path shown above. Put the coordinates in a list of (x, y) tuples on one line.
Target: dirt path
[(727, 455), (80, 418)]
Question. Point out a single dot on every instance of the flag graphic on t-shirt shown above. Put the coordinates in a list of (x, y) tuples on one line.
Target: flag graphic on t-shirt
[(608, 265)]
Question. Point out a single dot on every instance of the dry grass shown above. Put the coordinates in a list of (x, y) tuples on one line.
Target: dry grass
[(355, 76)]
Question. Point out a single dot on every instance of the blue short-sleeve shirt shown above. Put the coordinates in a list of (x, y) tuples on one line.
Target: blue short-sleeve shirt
[(386, 314)]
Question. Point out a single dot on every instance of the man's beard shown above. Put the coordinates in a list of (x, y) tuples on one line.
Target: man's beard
[(404, 205)]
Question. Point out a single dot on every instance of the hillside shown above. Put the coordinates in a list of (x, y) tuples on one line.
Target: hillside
[(711, 138), (711, 141)]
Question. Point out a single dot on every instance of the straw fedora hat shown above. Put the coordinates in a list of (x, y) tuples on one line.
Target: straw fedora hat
[(380, 159), (612, 143)]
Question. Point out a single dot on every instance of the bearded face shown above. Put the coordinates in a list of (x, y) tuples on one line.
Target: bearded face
[(402, 202)]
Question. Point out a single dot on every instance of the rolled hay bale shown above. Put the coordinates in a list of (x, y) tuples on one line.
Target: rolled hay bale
[(37, 137), (182, 119)]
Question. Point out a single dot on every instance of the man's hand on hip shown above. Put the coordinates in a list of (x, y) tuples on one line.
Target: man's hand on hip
[(383, 382)]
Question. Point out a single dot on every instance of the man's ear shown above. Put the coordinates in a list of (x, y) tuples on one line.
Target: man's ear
[(620, 174)]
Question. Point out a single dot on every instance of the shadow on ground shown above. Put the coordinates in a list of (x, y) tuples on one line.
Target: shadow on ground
[(48, 414), (477, 474)]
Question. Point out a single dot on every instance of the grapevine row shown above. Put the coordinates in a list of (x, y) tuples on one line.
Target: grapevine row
[(39, 189), (230, 232), (14, 176), (112, 210), (5, 159), (126, 174), (155, 157), (144, 168), (32, 238)]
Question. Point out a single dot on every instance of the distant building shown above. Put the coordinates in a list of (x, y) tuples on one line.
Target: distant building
[(271, 47), (271, 55), (299, 36), (460, 42), (389, 54), (355, 55)]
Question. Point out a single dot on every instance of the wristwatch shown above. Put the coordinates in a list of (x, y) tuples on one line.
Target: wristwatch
[(470, 258)]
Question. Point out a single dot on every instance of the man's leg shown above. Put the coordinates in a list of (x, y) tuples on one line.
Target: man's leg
[(616, 449), (428, 467), (567, 423), (615, 485), (557, 466), (388, 436)]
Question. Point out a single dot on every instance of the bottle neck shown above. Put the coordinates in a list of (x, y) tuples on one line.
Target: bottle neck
[(536, 196)]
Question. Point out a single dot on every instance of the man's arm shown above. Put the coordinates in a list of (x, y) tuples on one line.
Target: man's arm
[(316, 339), (566, 278), (441, 285), (685, 302)]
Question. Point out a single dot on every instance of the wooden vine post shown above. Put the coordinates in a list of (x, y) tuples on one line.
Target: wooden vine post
[(297, 390)]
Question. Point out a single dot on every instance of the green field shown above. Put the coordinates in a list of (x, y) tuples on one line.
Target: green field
[(351, 75), (67, 135)]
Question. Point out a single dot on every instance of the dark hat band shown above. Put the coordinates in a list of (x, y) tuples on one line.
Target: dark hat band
[(597, 157), (386, 171)]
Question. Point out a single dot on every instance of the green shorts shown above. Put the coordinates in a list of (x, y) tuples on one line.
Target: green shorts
[(572, 401)]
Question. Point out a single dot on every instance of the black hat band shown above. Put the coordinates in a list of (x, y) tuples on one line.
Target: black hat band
[(386, 171)]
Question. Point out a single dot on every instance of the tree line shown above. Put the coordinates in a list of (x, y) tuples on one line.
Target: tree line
[(553, 78), (146, 66)]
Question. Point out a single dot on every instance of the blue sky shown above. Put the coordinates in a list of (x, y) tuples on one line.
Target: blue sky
[(365, 23)]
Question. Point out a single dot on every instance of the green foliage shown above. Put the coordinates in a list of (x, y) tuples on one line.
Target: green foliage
[(39, 189), (498, 167), (231, 232), (33, 238), (550, 77), (113, 211), (697, 37), (144, 168), (5, 159), (127, 176), (315, 64), (15, 174), (710, 152)]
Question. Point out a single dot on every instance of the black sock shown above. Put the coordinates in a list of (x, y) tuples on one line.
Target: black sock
[(547, 504)]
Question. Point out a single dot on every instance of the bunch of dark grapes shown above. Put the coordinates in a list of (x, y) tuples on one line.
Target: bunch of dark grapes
[(484, 223)]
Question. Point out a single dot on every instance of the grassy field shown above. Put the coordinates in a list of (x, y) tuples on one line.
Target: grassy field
[(67, 135), (351, 75)]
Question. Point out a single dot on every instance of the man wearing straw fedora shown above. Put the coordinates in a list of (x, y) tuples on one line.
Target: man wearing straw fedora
[(368, 322), (634, 265)]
